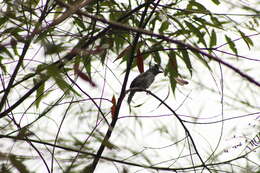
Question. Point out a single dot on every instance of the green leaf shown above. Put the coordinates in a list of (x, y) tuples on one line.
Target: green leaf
[(231, 44), (172, 69), (246, 39), (53, 48), (185, 57), (196, 32), (6, 51), (14, 47), (201, 59), (216, 2), (19, 165), (55, 73), (39, 93), (3, 20), (164, 26), (79, 22), (3, 68), (213, 39), (193, 5)]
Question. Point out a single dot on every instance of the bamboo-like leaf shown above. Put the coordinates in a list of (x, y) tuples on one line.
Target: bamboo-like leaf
[(19, 165), (185, 57), (172, 68), (39, 94), (140, 61), (216, 2), (113, 107), (83, 76), (196, 32), (246, 39), (231, 44), (55, 73), (164, 26), (213, 39)]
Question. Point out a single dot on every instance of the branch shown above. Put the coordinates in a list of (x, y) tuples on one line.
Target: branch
[(178, 42), (179, 119)]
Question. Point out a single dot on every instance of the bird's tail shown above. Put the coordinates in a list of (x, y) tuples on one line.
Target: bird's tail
[(131, 95)]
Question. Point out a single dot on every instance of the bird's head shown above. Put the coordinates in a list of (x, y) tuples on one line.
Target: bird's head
[(156, 69)]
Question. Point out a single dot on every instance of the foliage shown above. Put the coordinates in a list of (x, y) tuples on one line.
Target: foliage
[(63, 61)]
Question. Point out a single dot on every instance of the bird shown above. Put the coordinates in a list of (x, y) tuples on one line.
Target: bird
[(143, 80)]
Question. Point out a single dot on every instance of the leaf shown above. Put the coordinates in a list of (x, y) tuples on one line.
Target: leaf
[(54, 72), (246, 39), (193, 5), (125, 52), (3, 20), (201, 59), (181, 81), (113, 107), (172, 68), (79, 22), (185, 57), (53, 48), (39, 93), (83, 76), (164, 26), (231, 44), (197, 32), (3, 68), (216, 2), (213, 39), (19, 165), (140, 61)]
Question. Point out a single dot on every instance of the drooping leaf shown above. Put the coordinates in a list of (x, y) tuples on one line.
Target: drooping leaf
[(231, 44), (181, 81), (172, 69), (201, 59), (39, 93), (55, 73), (3, 68), (216, 2), (164, 27), (246, 39), (140, 61), (194, 5), (125, 52), (83, 76), (53, 48), (77, 21), (196, 31), (213, 39), (113, 107), (185, 57), (18, 164)]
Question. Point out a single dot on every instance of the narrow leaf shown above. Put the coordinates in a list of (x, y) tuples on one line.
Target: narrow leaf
[(83, 76), (39, 94), (216, 2), (246, 39), (185, 57), (140, 61), (213, 39), (125, 52), (19, 165), (231, 44), (197, 32), (172, 68), (54, 72), (113, 107)]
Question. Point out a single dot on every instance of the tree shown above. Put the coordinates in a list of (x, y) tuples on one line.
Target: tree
[(66, 68)]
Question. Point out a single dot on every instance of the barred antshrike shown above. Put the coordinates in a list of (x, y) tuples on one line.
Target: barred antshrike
[(144, 80)]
